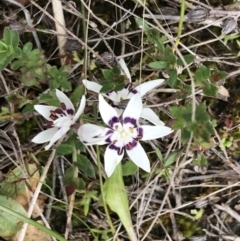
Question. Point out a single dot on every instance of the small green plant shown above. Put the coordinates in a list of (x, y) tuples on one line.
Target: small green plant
[(31, 62)]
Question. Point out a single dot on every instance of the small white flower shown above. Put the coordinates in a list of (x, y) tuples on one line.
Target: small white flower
[(59, 119), (127, 93), (122, 137)]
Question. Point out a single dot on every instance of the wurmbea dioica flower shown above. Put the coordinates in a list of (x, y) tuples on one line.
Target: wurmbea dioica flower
[(122, 136), (118, 96), (59, 120)]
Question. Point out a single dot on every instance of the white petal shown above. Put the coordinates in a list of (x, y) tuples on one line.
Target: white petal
[(111, 160), (60, 133), (93, 86), (134, 108), (81, 108), (151, 116), (139, 157), (44, 110), (119, 111), (64, 99), (154, 132), (108, 113), (115, 97), (147, 86), (123, 94), (45, 136), (125, 68), (91, 134), (65, 121)]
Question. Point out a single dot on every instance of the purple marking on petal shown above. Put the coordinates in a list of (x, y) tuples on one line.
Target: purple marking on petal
[(48, 124), (109, 132), (130, 120), (63, 106), (59, 111), (53, 115), (108, 93), (70, 111), (131, 145), (113, 121), (116, 148), (134, 91), (108, 140), (140, 133)]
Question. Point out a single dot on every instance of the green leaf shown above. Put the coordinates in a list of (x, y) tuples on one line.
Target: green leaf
[(107, 87), (15, 184), (74, 139), (177, 113), (158, 65), (30, 82), (9, 224), (17, 99), (117, 199), (16, 64), (29, 108), (7, 36), (77, 94), (119, 86), (116, 70), (172, 80), (171, 158), (3, 47), (85, 166), (192, 126), (70, 179), (23, 218), (188, 59), (63, 149), (4, 64), (201, 113), (153, 37), (15, 39), (54, 71), (159, 154), (169, 56), (27, 48), (142, 24), (185, 135), (108, 74), (129, 168), (202, 74), (65, 84), (35, 55), (210, 89)]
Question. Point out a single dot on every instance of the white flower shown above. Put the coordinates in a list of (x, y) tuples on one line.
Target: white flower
[(122, 137), (126, 93), (59, 119)]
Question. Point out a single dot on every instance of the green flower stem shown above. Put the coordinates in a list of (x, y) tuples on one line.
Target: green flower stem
[(32, 222), (180, 25), (103, 193), (117, 199)]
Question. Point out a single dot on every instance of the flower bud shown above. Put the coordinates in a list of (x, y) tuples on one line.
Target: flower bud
[(197, 14), (108, 57), (17, 26), (229, 25)]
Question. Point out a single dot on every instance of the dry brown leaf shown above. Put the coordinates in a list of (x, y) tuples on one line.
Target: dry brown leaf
[(222, 93), (41, 204), (33, 234)]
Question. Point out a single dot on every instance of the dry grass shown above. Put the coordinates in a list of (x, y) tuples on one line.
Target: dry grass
[(162, 209)]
